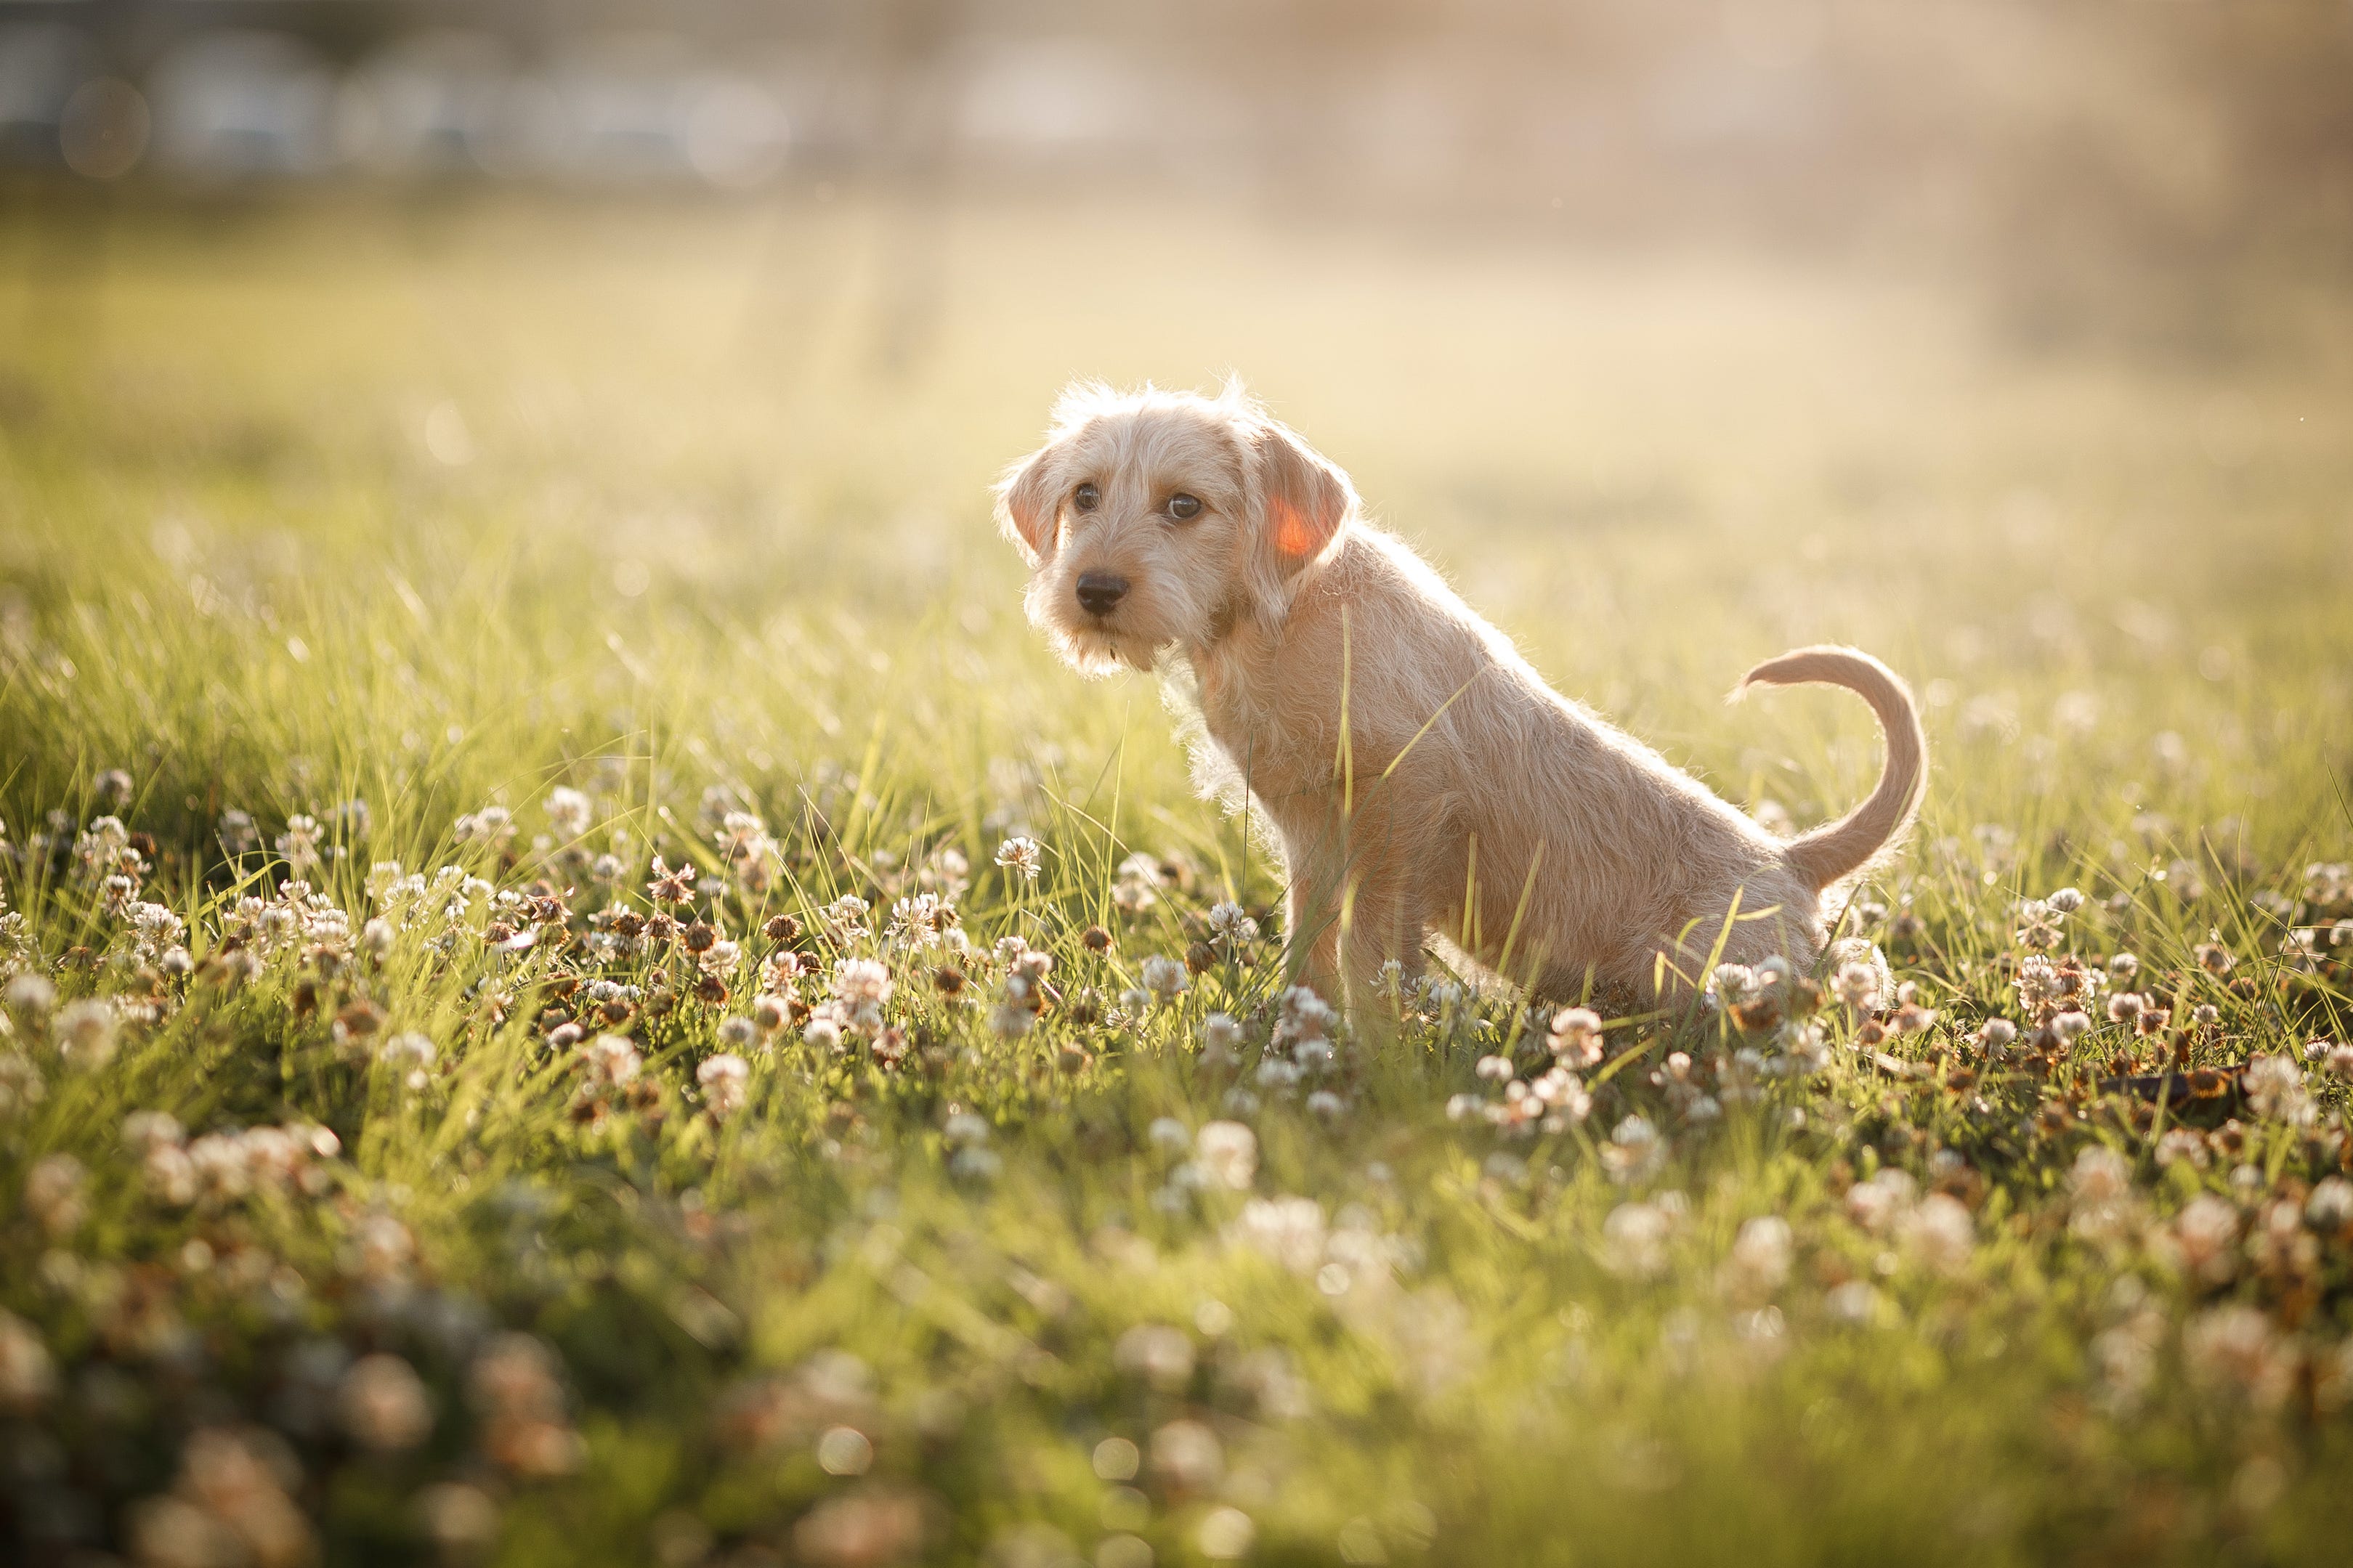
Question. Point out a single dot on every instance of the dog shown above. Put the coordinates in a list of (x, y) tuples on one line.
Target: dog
[(1423, 781)]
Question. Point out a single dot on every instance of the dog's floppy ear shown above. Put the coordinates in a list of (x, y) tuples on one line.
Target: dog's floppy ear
[(1304, 501), (1025, 511)]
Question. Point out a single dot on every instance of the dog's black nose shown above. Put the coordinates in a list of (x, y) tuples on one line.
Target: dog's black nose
[(1099, 591)]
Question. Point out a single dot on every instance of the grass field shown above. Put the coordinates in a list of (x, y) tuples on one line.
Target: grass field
[(406, 1161)]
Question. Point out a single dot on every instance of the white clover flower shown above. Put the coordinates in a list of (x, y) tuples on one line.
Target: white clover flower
[(613, 1058), (2233, 1348), (1275, 1073), (2207, 1232), (2181, 1144), (1289, 1230), (568, 811), (1227, 1151), (2330, 1206), (1225, 1533), (1561, 1090), (377, 938), (1136, 887), (1021, 856), (1228, 923), (1853, 1302), (1732, 984), (237, 833), (145, 1130), (1161, 1355), (1911, 1016), (156, 928), (31, 994), (823, 1032), (1634, 1241), (1575, 1036), (103, 850), (2276, 1090), (723, 1079), (1304, 1016), (85, 1031), (53, 1193), (1940, 1233), (1164, 977), (1168, 1133), (493, 827), (170, 1174), (384, 1403), (2100, 1175), (300, 844), (747, 847), (1878, 1205), (1221, 1037), (410, 1055), (1761, 1252), (921, 920), (861, 981), (975, 1163), (1634, 1152)]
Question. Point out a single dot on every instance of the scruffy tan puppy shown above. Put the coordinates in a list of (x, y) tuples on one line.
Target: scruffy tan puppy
[(1419, 775)]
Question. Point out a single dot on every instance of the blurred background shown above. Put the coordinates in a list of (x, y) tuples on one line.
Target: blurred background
[(2105, 167)]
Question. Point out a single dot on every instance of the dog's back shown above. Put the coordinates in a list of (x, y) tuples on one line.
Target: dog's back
[(1540, 838)]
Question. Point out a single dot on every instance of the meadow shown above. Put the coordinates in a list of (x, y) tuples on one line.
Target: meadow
[(577, 987)]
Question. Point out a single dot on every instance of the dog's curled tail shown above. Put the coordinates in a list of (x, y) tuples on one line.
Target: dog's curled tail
[(1839, 848)]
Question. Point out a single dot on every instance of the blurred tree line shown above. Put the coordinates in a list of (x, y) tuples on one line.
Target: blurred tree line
[(2079, 155)]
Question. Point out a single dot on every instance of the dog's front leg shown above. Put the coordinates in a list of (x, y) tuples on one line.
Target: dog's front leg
[(1311, 914), (1381, 920), (1354, 904)]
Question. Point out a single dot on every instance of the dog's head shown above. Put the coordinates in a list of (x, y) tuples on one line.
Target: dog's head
[(1153, 519)]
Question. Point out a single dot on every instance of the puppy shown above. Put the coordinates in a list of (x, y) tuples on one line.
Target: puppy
[(1420, 776)]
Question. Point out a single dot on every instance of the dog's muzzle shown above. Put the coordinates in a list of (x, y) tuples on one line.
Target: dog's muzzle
[(1099, 592)]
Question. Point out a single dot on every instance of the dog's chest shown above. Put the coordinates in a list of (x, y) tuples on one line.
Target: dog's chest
[(1275, 750)]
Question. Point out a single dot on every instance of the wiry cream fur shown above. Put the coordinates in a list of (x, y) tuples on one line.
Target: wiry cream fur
[(1462, 795)]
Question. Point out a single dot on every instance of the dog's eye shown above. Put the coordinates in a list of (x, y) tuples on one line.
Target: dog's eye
[(1087, 498), (1182, 507)]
